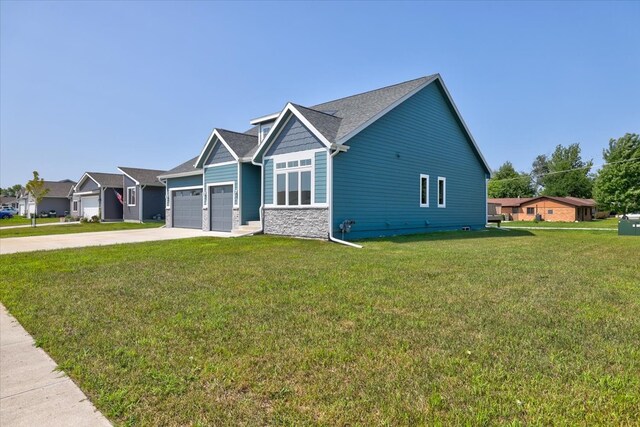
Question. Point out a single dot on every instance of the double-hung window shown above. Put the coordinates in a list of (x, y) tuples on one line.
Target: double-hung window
[(424, 191), (442, 192), (293, 182), (131, 196)]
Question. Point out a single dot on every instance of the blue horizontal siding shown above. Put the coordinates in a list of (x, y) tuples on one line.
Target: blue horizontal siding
[(377, 182), (250, 192), (293, 138), (223, 173), (320, 177), (268, 181), (219, 154), (184, 181)]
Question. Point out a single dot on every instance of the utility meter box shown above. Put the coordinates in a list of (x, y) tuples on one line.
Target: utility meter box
[(629, 227)]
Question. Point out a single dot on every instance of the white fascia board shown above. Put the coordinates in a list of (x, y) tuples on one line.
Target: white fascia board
[(129, 176), (267, 118), (180, 174), (464, 125), (208, 146), (289, 108), (83, 179)]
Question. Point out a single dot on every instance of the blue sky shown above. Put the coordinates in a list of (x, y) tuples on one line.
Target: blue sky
[(96, 85)]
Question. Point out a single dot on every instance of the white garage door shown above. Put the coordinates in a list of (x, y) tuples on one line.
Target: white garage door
[(32, 208), (90, 206)]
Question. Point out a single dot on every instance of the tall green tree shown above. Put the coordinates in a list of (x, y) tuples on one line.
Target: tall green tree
[(568, 174), (507, 182), (11, 191), (36, 189), (617, 185), (539, 169)]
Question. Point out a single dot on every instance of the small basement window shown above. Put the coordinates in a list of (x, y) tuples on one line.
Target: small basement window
[(131, 196), (424, 191), (550, 212)]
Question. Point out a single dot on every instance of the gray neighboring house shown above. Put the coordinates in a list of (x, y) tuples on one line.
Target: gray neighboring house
[(56, 199), (183, 195), (144, 194), (9, 201), (96, 194)]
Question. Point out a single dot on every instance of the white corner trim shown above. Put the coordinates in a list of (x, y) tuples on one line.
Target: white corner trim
[(180, 174), (82, 180), (213, 165)]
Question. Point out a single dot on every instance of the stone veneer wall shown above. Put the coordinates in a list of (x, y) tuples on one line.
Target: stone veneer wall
[(168, 219), (301, 222), (235, 220)]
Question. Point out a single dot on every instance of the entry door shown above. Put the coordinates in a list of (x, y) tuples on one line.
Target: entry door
[(221, 207)]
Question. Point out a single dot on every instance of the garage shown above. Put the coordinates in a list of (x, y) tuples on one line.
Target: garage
[(221, 206), (187, 208), (90, 206)]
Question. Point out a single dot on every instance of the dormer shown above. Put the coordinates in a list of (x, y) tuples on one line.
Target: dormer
[(264, 124)]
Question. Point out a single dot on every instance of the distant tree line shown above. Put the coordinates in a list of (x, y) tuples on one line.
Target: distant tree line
[(12, 191), (615, 186)]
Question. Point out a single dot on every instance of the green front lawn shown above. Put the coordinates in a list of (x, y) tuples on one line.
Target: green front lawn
[(596, 223), (18, 220), (477, 328), (75, 228)]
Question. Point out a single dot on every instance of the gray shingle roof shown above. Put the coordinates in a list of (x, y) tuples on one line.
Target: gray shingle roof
[(328, 125), (107, 179), (144, 176), (184, 167), (242, 144), (356, 110), (58, 189)]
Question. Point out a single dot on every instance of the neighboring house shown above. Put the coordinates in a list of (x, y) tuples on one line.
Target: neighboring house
[(183, 195), (96, 194), (549, 208), (55, 200), (231, 183), (395, 160), (144, 194), (8, 201)]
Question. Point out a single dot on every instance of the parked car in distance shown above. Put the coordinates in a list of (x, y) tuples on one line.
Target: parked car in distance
[(630, 216), (6, 214), (9, 209)]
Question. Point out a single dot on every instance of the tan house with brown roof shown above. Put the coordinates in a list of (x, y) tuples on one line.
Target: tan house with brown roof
[(549, 208)]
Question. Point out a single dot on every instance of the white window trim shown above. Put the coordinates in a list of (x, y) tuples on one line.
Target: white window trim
[(171, 190), (444, 192), (286, 158), (424, 205), (135, 196), (219, 184)]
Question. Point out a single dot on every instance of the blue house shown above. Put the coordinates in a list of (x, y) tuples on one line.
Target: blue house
[(395, 160)]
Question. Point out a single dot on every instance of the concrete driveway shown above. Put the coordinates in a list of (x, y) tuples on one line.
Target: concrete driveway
[(13, 245)]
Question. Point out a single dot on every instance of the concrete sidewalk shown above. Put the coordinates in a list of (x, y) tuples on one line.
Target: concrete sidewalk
[(78, 240), (46, 224), (32, 393)]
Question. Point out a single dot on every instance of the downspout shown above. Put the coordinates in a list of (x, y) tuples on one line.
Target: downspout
[(261, 193), (330, 195)]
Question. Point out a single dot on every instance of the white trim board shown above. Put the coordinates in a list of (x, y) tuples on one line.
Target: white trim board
[(220, 184), (192, 187), (207, 148)]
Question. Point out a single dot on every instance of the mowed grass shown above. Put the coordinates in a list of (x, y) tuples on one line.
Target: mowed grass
[(75, 228), (18, 220), (596, 223), (477, 328)]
